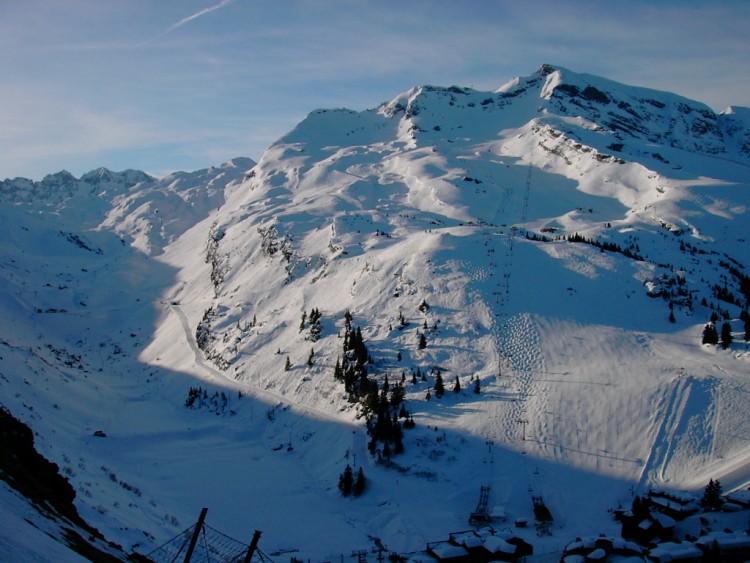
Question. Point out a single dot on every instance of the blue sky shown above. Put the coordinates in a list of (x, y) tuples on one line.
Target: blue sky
[(164, 85)]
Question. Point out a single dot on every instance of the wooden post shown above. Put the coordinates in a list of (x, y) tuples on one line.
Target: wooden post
[(196, 533), (253, 546)]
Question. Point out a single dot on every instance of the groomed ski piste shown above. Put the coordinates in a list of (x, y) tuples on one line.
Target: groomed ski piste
[(588, 394)]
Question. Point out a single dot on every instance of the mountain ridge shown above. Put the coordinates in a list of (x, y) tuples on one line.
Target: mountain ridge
[(564, 275)]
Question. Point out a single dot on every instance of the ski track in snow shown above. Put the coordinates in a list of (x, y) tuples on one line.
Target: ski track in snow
[(688, 429), (670, 411)]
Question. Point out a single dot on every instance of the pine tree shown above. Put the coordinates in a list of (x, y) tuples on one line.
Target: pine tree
[(439, 388), (457, 386), (710, 336), (422, 342), (288, 364), (360, 483), (712, 496), (476, 386), (310, 358), (346, 481)]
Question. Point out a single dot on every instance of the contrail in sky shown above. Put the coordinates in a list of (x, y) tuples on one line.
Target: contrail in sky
[(187, 19)]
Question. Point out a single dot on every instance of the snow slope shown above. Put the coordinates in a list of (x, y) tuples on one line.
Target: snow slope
[(550, 226)]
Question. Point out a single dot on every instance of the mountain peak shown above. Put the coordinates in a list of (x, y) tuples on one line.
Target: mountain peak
[(546, 69)]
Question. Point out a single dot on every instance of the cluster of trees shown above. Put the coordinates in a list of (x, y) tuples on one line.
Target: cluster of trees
[(204, 339), (383, 411), (218, 263), (382, 407), (743, 282), (314, 324), (352, 370), (712, 336), (537, 238), (439, 386), (203, 330), (199, 398), (607, 246), (349, 485)]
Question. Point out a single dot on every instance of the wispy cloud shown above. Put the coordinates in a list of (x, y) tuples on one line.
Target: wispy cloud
[(185, 20)]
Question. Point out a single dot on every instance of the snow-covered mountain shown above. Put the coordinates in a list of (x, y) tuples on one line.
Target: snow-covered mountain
[(557, 246)]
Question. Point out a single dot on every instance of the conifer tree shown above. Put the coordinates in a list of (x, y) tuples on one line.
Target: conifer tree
[(288, 364), (346, 481), (476, 386), (310, 358), (712, 496), (439, 387), (360, 483), (457, 386)]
